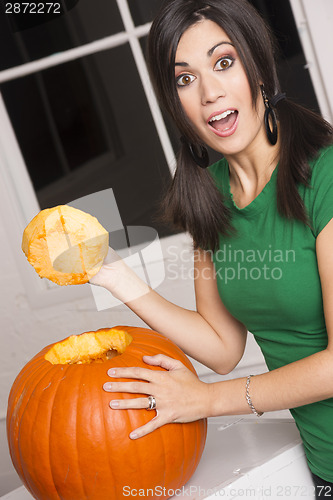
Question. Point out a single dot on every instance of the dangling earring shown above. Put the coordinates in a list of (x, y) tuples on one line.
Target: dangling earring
[(269, 115), (203, 160)]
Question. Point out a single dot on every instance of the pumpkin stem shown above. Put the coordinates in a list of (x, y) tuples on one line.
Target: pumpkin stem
[(89, 347)]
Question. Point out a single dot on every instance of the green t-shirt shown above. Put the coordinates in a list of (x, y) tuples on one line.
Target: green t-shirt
[(267, 277)]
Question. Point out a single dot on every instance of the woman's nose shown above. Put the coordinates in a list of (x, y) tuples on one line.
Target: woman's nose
[(211, 89)]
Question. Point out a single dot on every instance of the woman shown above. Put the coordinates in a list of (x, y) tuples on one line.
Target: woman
[(263, 212)]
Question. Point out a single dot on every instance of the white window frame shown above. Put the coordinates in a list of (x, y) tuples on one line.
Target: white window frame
[(18, 200), (314, 24)]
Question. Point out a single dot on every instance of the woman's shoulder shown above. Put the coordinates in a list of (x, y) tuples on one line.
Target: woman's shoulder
[(318, 196), (322, 165)]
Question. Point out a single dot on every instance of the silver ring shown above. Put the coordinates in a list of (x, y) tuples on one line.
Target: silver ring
[(152, 403)]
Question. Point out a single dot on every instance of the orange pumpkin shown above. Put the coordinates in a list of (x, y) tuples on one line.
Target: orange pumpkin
[(65, 245), (66, 442)]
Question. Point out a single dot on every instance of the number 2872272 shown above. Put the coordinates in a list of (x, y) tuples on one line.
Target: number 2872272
[(32, 8)]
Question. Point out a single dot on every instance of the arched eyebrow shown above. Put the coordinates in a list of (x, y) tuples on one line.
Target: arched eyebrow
[(209, 53)]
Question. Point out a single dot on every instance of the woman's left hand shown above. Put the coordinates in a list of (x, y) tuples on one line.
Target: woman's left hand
[(180, 396)]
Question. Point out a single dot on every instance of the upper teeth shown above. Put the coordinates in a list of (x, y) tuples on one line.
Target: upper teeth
[(222, 115)]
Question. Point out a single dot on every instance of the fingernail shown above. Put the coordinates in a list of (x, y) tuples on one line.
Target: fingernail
[(107, 386), (114, 404), (133, 435), (112, 372)]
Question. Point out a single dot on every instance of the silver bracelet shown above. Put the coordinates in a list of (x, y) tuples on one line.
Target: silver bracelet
[(248, 397)]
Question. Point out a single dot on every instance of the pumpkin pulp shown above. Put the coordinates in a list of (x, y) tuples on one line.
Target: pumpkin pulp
[(89, 347), (67, 236)]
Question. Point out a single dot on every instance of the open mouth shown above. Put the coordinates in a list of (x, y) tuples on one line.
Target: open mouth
[(224, 121)]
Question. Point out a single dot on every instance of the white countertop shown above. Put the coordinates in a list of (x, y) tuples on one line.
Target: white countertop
[(251, 458), (244, 457)]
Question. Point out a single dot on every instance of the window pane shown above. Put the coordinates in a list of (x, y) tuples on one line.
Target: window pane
[(31, 36), (143, 11), (58, 126), (86, 126)]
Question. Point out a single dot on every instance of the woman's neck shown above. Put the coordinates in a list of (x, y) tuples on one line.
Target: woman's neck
[(250, 171)]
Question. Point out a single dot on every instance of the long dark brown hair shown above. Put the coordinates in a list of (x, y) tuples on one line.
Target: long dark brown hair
[(193, 202)]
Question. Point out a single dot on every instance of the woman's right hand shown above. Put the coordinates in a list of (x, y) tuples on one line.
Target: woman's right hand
[(110, 263), (119, 279)]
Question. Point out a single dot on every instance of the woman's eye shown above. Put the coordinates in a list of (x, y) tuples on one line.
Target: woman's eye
[(224, 63), (184, 80)]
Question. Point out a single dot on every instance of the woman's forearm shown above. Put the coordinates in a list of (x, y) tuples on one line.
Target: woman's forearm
[(299, 383)]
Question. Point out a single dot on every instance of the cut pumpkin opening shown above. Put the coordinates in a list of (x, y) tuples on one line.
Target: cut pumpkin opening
[(89, 347)]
